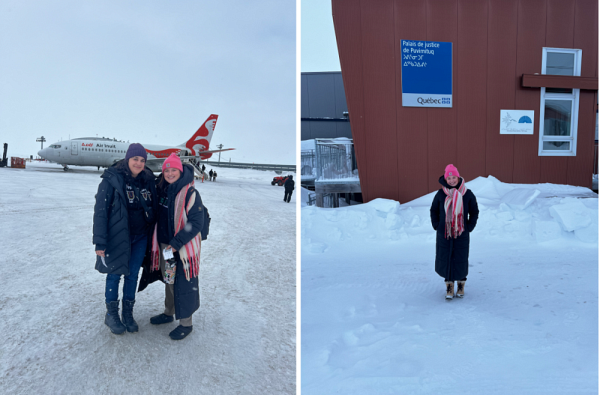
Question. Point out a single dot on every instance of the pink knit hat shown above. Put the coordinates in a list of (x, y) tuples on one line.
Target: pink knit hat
[(451, 170), (173, 161)]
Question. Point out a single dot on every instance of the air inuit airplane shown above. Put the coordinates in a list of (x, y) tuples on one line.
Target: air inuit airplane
[(104, 152)]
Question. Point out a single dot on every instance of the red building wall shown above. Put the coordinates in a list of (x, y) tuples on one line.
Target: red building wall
[(402, 151)]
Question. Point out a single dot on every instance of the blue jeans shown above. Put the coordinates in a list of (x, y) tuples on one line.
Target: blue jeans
[(138, 250)]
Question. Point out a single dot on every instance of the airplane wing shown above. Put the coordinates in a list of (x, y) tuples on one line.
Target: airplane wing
[(207, 152)]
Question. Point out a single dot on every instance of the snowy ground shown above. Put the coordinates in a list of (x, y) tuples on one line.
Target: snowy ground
[(54, 340), (374, 318)]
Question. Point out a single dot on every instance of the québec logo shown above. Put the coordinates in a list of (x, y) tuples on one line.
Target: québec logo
[(443, 100)]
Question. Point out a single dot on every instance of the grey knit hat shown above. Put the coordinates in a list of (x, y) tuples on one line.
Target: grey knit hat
[(136, 149)]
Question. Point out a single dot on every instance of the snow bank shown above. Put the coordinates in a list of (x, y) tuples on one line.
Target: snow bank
[(540, 213), (304, 196), (520, 198), (571, 214)]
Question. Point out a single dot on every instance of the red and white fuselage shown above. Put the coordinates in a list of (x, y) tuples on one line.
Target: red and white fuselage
[(103, 152)]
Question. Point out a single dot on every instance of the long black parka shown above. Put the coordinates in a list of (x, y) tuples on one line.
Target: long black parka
[(187, 294), (111, 219), (452, 255), (289, 184)]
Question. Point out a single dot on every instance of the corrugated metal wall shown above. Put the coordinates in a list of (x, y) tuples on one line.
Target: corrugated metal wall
[(322, 96), (402, 151)]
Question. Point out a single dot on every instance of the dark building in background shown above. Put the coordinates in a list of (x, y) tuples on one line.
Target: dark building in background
[(323, 111), (499, 52)]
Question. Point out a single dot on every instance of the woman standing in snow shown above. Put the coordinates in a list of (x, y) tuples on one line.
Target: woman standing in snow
[(123, 218), (449, 211), (180, 220)]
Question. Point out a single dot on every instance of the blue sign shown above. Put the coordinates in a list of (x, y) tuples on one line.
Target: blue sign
[(426, 73)]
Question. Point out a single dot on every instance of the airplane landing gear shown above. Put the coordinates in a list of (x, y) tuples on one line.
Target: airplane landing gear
[(98, 167), (65, 167)]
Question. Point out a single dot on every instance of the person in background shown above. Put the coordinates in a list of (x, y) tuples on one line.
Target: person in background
[(289, 188), (454, 214), (210, 175), (180, 219), (124, 214), (214, 176)]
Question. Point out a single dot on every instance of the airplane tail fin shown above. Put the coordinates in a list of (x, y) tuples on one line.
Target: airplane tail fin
[(200, 141)]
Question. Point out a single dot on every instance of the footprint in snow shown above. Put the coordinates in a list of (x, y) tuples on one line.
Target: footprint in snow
[(571, 316)]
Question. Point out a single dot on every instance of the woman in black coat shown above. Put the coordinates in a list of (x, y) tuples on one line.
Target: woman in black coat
[(123, 217), (180, 220), (454, 215)]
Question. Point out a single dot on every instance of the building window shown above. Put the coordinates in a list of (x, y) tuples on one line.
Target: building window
[(559, 107)]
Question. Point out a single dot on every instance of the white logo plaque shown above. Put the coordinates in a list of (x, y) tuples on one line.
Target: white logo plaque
[(516, 121)]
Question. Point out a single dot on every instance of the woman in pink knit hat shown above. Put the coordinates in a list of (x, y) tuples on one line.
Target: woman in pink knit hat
[(454, 215), (174, 257)]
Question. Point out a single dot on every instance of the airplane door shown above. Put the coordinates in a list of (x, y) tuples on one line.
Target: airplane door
[(74, 148)]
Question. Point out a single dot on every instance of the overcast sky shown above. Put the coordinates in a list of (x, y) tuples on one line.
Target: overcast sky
[(150, 72), (318, 45)]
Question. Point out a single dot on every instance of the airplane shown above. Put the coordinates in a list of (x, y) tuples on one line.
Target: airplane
[(104, 152)]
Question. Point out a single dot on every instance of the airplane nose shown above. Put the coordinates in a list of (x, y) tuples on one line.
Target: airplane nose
[(40, 152)]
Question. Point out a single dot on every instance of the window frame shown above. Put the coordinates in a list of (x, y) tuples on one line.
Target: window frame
[(573, 97)]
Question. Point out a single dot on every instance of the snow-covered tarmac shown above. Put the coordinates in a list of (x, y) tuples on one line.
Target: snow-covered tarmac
[(374, 318), (54, 340)]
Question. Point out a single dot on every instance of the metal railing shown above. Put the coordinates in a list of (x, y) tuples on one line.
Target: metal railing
[(335, 160), (308, 162)]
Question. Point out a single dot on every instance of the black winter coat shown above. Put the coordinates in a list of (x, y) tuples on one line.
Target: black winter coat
[(111, 220), (187, 293), (452, 255), (289, 184)]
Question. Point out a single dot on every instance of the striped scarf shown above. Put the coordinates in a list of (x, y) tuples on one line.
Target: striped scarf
[(189, 253), (453, 205)]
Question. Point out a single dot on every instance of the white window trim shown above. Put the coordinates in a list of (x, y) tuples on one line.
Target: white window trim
[(573, 97)]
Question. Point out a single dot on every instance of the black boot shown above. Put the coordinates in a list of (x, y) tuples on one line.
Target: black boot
[(180, 332), (128, 320), (112, 319), (161, 319)]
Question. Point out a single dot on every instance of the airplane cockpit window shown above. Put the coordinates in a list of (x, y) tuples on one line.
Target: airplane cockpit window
[(54, 146)]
